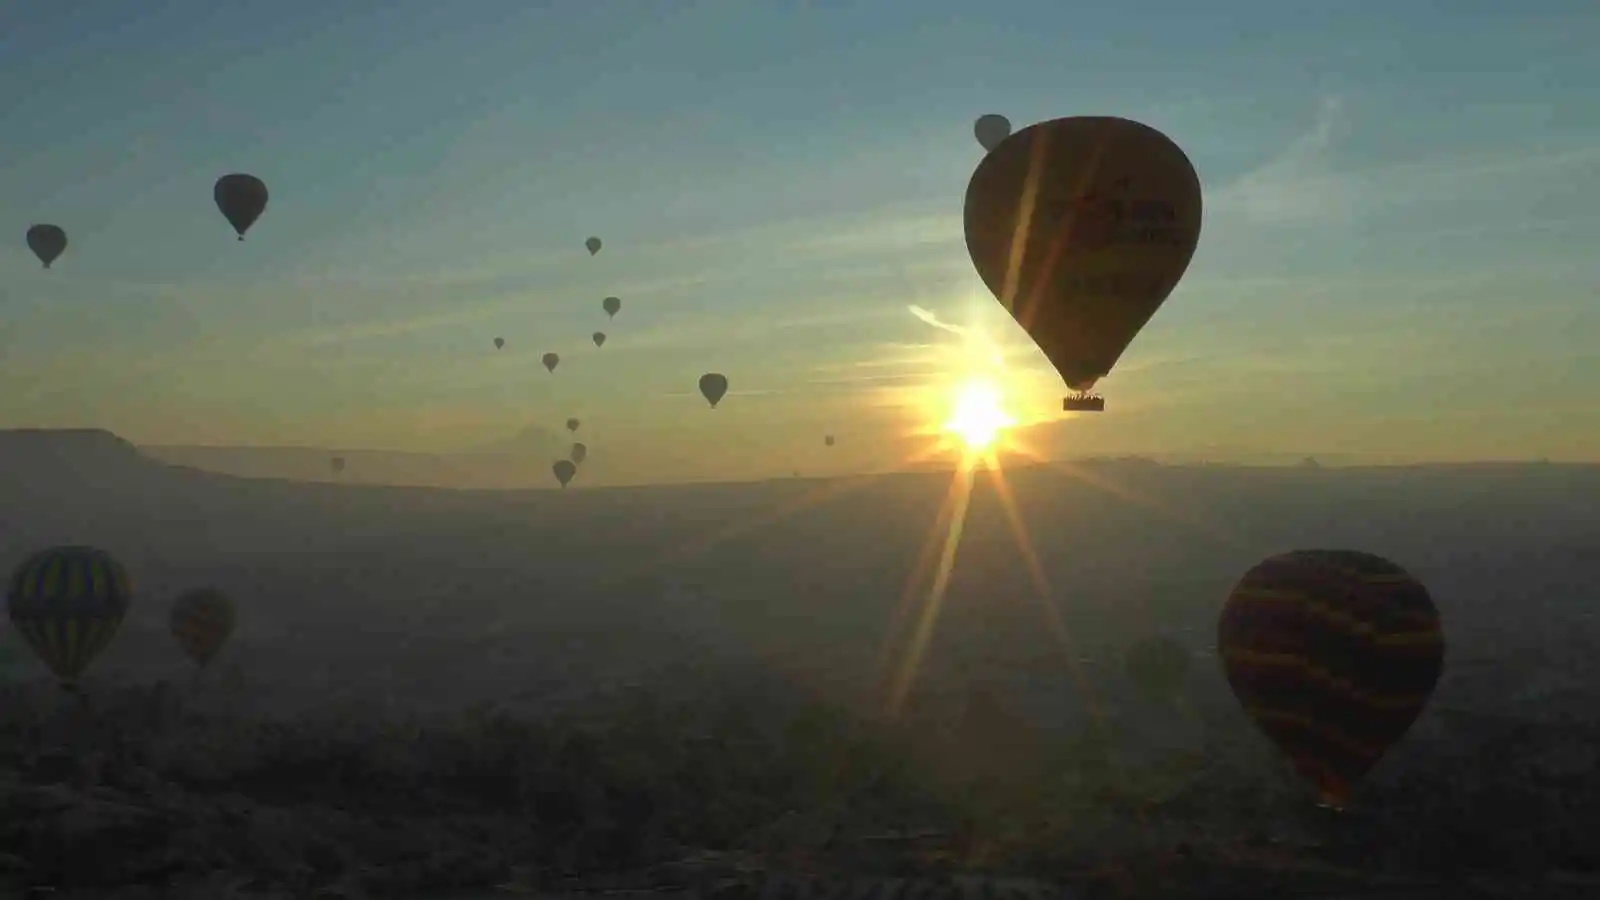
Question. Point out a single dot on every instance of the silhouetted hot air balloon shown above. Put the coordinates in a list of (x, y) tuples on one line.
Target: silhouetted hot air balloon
[(1107, 212), (202, 620), (612, 306), (68, 603), (828, 440), (599, 338), (499, 342), (991, 129), (1157, 666), (564, 469), (337, 463), (713, 387), (572, 424), (47, 242), (579, 453), (551, 360), (1333, 653), (242, 199), (593, 244)]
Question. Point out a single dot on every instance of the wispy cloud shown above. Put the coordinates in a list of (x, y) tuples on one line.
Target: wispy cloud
[(929, 317), (1297, 184)]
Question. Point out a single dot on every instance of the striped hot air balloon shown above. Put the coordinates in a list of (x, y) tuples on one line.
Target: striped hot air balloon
[(68, 603), (1333, 653), (202, 620)]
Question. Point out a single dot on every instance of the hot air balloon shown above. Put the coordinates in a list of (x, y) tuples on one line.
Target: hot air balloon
[(202, 620), (1107, 212), (991, 129), (828, 440), (713, 387), (564, 469), (612, 306), (47, 242), (337, 463), (579, 453), (572, 424), (599, 338), (1157, 666), (593, 244), (68, 603), (1333, 653), (499, 342), (551, 360), (242, 199)]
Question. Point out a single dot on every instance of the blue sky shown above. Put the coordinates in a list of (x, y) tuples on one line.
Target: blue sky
[(1398, 259)]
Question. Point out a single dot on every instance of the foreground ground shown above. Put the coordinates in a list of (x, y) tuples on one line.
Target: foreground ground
[(141, 794)]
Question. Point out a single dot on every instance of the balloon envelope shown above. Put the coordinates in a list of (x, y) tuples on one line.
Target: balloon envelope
[(68, 602), (579, 453), (337, 463), (241, 198), (1102, 216), (612, 305), (713, 387), (47, 242), (499, 342), (828, 440), (593, 244), (599, 338), (564, 469), (551, 361), (991, 130), (1333, 653), (202, 620), (572, 424)]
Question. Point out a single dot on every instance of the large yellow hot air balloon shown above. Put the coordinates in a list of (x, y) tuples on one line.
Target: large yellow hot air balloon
[(68, 603), (202, 620), (1081, 227)]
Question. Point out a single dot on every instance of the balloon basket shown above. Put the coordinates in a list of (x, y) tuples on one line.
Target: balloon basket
[(1083, 403)]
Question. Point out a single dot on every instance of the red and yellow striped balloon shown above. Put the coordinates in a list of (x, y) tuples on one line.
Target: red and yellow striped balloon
[(202, 621), (1333, 653)]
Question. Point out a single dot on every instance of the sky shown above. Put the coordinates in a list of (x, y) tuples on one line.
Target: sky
[(1397, 260)]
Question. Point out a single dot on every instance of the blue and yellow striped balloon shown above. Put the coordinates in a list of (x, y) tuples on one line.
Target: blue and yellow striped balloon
[(68, 602)]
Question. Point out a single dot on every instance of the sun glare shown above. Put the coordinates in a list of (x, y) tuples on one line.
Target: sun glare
[(977, 414)]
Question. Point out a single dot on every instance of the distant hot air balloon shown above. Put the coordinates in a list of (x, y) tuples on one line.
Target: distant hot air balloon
[(47, 242), (991, 129), (593, 244), (1333, 653), (828, 440), (1157, 666), (572, 424), (564, 469), (579, 453), (499, 342), (337, 463), (599, 338), (612, 306), (551, 360), (202, 620), (68, 603), (242, 199), (713, 387), (1113, 213)]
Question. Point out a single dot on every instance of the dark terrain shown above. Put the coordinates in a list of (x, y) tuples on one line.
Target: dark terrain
[(433, 692)]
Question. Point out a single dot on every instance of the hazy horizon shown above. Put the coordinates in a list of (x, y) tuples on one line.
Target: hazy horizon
[(1396, 262)]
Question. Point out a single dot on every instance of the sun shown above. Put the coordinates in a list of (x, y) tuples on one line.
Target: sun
[(978, 415)]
